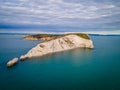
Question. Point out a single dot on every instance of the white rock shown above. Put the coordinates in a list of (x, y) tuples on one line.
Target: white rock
[(12, 62), (23, 57), (60, 44)]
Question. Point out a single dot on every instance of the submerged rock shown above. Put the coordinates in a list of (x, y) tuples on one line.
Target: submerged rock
[(67, 42), (12, 62)]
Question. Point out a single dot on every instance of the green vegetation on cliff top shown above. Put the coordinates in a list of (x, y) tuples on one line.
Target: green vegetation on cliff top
[(82, 35), (85, 36)]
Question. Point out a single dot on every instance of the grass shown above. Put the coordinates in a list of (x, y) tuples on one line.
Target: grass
[(83, 35), (39, 36)]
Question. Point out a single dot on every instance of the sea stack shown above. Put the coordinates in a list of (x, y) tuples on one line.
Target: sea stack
[(12, 62), (66, 42), (23, 57)]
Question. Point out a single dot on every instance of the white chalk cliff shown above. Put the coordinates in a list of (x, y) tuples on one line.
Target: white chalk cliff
[(66, 42)]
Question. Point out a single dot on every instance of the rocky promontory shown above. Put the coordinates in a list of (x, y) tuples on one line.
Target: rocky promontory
[(59, 43)]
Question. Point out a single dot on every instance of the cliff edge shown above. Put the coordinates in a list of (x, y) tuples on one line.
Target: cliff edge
[(66, 42)]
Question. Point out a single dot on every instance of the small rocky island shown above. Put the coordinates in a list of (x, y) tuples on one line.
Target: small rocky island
[(12, 62), (57, 43)]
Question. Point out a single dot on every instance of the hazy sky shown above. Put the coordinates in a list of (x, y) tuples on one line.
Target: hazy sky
[(60, 15)]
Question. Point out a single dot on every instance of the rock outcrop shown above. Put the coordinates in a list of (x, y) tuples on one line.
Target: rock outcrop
[(12, 62), (66, 42)]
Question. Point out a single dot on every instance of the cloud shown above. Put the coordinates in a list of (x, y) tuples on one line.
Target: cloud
[(59, 12)]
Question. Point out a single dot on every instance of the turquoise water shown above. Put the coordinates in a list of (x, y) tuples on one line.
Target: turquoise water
[(79, 69)]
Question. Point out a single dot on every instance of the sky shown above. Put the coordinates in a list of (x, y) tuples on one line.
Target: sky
[(59, 15)]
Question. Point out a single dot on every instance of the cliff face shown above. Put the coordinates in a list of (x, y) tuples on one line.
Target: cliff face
[(66, 42)]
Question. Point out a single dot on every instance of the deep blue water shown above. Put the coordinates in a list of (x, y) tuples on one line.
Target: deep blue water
[(79, 69)]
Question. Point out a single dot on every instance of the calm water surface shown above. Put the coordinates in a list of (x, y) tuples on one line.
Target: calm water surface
[(79, 69)]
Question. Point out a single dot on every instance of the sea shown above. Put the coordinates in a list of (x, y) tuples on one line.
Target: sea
[(78, 69)]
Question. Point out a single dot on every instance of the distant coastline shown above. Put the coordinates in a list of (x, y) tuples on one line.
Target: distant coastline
[(91, 34), (104, 35)]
